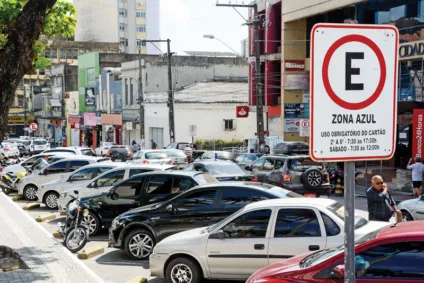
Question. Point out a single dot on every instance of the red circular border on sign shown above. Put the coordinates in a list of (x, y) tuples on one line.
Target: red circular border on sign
[(326, 63)]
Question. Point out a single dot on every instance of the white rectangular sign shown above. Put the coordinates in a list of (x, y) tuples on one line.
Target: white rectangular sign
[(304, 128), (353, 92), (192, 130)]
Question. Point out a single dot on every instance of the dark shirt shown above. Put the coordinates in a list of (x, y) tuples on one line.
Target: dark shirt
[(379, 205)]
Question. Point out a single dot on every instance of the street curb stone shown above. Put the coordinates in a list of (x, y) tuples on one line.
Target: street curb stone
[(90, 252), (18, 197), (30, 206), (138, 279), (57, 235), (45, 217), (62, 213)]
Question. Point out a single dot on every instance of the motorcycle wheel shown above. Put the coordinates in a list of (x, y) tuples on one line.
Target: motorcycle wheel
[(76, 239), (6, 191)]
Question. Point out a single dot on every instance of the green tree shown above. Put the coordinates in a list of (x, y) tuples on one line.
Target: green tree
[(21, 24)]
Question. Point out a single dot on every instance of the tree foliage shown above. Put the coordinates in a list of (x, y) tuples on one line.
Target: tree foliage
[(60, 22)]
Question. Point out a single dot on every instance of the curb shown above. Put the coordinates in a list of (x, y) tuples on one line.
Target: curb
[(62, 213), (45, 217), (18, 197), (57, 235), (30, 206), (138, 279), (91, 252)]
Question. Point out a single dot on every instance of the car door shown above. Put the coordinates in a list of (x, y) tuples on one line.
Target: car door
[(106, 181), (163, 187), (185, 212), (257, 168), (55, 171), (418, 212), (76, 164), (276, 176), (296, 231), (79, 177), (244, 248)]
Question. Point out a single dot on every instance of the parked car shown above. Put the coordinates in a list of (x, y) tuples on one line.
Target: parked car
[(76, 150), (139, 190), (23, 166), (289, 148), (23, 150), (390, 254), (29, 185), (217, 155), (222, 170), (27, 144), (9, 149), (177, 145), (196, 154), (259, 234), (295, 173), (178, 157), (38, 146), (103, 183), (412, 209), (120, 153), (198, 207), (245, 159), (49, 193), (103, 148), (150, 157)]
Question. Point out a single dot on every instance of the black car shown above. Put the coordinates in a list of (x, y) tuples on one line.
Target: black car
[(139, 190), (291, 148), (120, 153), (137, 231), (245, 159), (222, 170)]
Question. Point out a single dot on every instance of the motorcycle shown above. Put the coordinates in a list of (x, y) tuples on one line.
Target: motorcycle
[(9, 181), (336, 175), (74, 231)]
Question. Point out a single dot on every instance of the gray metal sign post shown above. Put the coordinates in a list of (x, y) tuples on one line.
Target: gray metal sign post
[(349, 228)]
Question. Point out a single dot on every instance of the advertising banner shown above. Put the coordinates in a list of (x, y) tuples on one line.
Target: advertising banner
[(417, 133)]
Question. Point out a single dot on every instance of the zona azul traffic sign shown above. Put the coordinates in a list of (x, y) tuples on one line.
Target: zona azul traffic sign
[(33, 126), (353, 92)]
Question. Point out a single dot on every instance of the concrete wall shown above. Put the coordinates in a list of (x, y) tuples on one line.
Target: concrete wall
[(131, 31), (153, 24)]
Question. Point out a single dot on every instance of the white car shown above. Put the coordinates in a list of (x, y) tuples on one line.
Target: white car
[(32, 162), (150, 157), (259, 234), (178, 157), (49, 193), (29, 185), (412, 209), (9, 149), (76, 150), (103, 183), (103, 148), (38, 146)]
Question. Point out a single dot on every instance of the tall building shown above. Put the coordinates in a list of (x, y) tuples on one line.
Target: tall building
[(125, 21)]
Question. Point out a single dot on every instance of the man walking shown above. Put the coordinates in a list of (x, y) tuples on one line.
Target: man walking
[(417, 168), (380, 203)]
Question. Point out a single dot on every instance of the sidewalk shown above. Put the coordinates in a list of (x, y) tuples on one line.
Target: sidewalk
[(48, 260)]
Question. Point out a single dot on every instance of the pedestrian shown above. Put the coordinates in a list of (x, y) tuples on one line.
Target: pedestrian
[(43, 164), (134, 146), (189, 152), (380, 203), (154, 145), (417, 168)]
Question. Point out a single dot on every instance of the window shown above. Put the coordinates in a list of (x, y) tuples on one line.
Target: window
[(297, 223), (91, 77), (258, 164), (121, 27), (250, 225), (59, 167), (140, 14), (258, 196), (110, 179), (122, 13), (47, 53), (397, 260), (131, 94), (62, 53), (279, 164), (101, 170), (235, 198), (268, 165), (239, 159), (74, 53), (122, 42), (88, 152), (76, 164), (126, 92), (81, 175), (331, 228), (224, 168), (141, 28), (196, 201), (229, 124), (156, 155), (250, 157), (139, 171), (69, 54), (54, 53), (130, 188)]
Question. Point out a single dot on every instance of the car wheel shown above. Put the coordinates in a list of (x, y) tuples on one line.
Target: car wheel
[(183, 270), (92, 221), (312, 179), (50, 200), (139, 244), (406, 216), (30, 192)]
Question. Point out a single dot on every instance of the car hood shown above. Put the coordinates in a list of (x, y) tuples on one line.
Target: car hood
[(139, 210), (14, 168), (184, 238), (410, 203)]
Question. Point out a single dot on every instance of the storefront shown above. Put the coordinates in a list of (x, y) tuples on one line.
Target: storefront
[(90, 130), (16, 125), (112, 128), (76, 135)]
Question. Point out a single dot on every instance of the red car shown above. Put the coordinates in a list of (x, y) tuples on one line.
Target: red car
[(391, 254)]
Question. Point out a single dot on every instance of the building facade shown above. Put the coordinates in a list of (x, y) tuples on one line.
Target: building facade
[(126, 22)]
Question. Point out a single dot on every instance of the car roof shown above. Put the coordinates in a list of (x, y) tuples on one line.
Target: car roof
[(177, 173), (145, 166), (83, 157), (212, 161), (402, 229), (62, 148), (100, 164), (238, 185), (314, 202)]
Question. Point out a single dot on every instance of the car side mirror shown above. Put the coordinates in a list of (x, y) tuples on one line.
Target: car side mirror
[(114, 196), (76, 192), (248, 168), (338, 272), (218, 235), (170, 209)]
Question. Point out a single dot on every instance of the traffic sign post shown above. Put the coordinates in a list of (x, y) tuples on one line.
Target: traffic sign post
[(304, 128), (353, 104), (192, 131)]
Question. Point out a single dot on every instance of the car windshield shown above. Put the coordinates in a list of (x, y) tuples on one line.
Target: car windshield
[(175, 153), (40, 142), (338, 210), (7, 144), (320, 256), (109, 143), (225, 155), (87, 151), (25, 142), (119, 150), (202, 179), (303, 164), (156, 155), (224, 169)]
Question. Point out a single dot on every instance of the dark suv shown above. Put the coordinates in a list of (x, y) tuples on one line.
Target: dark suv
[(142, 189), (137, 231), (296, 173), (120, 153), (291, 148)]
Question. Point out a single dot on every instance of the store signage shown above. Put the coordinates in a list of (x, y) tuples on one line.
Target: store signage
[(296, 110), (291, 125), (296, 81), (353, 92), (15, 119), (242, 111), (411, 50), (294, 65), (417, 133)]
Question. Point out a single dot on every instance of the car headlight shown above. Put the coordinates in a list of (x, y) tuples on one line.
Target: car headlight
[(116, 223)]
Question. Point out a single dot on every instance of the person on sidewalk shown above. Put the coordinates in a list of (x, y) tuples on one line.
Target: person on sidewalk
[(417, 168), (380, 203), (188, 152)]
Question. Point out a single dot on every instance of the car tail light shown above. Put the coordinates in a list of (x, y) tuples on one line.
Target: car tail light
[(254, 180), (186, 159), (169, 161), (287, 179), (106, 148), (6, 149), (108, 154), (129, 154), (145, 161), (327, 178)]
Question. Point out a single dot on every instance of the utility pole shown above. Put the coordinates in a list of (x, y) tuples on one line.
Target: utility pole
[(62, 81), (256, 23), (170, 90), (141, 101), (25, 110)]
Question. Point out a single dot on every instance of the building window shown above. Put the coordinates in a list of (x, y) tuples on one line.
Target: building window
[(62, 53), (69, 54), (141, 28), (126, 92), (54, 53), (74, 53), (47, 53), (131, 94), (122, 27), (229, 124), (20, 101), (140, 14), (141, 43), (126, 42), (122, 41), (91, 77), (41, 72), (122, 13)]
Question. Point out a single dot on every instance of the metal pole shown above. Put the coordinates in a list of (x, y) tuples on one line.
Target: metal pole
[(141, 100), (63, 109), (366, 174), (25, 111), (349, 229), (170, 96), (381, 168)]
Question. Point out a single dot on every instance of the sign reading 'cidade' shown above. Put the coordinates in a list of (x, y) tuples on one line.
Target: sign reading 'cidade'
[(353, 92)]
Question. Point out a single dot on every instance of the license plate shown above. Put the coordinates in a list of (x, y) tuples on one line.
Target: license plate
[(311, 195)]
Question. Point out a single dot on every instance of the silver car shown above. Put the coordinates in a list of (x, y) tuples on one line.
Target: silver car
[(49, 193), (412, 209), (150, 157), (178, 157)]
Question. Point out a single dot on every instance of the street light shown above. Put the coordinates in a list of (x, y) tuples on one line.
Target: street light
[(210, 36)]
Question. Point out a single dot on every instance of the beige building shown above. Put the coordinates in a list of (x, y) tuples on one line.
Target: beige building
[(127, 22)]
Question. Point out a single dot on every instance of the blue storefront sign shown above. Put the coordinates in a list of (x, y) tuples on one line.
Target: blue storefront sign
[(295, 110)]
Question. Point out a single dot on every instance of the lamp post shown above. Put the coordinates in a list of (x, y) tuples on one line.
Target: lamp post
[(210, 36)]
